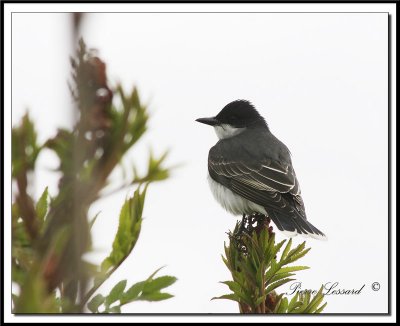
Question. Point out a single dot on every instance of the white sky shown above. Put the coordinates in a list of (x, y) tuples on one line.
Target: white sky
[(320, 80)]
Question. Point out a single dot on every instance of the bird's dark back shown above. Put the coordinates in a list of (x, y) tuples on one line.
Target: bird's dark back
[(263, 146)]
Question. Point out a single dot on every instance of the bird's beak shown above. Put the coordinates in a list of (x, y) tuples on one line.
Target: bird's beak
[(208, 121)]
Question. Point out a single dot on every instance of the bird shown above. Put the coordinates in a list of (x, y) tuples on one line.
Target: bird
[(250, 171)]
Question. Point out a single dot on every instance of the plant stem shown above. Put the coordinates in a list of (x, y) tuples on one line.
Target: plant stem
[(89, 293)]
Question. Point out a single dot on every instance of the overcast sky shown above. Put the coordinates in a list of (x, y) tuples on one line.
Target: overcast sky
[(320, 80)]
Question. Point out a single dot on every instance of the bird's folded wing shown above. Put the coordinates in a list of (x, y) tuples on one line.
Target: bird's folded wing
[(267, 175), (269, 184)]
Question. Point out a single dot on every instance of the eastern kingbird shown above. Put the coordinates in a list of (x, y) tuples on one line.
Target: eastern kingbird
[(250, 170)]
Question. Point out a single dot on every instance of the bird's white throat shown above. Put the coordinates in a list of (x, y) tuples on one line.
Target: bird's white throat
[(226, 131)]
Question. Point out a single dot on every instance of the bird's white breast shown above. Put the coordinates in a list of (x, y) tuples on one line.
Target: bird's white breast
[(232, 202)]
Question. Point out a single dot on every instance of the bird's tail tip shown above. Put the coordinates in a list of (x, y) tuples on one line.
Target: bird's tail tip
[(292, 234), (293, 226)]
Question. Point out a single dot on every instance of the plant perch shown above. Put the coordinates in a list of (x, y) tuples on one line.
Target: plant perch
[(259, 268)]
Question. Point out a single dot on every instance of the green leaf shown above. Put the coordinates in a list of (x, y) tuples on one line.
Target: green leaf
[(95, 303), (236, 288), (155, 171), (155, 296), (319, 310), (295, 307), (154, 273), (277, 248), (231, 296), (132, 293), (293, 253), (297, 256), (274, 268), (291, 269), (293, 302), (149, 289), (130, 220), (305, 299), (282, 307), (279, 276), (315, 302), (157, 284), (225, 261), (116, 292), (274, 285), (41, 205), (286, 250), (233, 286)]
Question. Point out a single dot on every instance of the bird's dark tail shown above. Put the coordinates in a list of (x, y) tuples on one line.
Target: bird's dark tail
[(294, 225)]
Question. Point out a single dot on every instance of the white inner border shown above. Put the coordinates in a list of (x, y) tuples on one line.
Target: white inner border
[(290, 7)]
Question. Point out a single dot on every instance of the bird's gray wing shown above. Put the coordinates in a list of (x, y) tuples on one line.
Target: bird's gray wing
[(268, 183)]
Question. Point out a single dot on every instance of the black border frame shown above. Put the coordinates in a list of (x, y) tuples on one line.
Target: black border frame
[(389, 313)]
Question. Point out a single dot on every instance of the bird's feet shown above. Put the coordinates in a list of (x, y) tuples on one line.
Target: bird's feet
[(254, 222), (243, 223)]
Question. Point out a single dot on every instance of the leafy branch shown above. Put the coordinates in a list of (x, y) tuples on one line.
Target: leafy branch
[(49, 237), (252, 259), (130, 221), (147, 290)]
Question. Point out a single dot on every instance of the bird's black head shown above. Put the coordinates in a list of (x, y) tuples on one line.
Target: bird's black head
[(238, 114)]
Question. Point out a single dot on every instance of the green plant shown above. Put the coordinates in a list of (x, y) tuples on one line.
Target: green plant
[(49, 237), (257, 271)]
